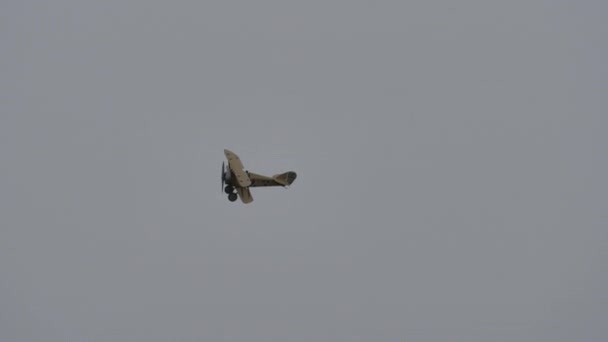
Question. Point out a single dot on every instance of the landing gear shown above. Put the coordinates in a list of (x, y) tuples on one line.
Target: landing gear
[(232, 197), (229, 189)]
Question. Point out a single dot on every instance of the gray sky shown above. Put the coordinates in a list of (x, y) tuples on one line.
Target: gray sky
[(451, 159)]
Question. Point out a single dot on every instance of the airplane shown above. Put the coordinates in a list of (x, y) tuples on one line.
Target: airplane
[(238, 180)]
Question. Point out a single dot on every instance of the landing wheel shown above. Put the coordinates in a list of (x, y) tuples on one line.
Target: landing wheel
[(229, 189), (232, 197)]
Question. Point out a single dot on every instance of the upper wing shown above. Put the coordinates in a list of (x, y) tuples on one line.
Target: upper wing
[(235, 164)]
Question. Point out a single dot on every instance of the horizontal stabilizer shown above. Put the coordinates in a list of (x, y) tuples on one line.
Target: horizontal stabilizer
[(286, 178)]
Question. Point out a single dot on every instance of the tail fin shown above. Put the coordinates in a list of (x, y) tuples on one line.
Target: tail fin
[(286, 178)]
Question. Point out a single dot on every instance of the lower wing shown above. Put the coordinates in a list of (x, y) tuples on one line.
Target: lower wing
[(245, 195)]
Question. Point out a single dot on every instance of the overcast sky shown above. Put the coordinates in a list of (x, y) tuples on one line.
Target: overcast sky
[(451, 159)]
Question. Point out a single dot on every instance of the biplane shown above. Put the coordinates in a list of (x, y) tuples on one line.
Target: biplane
[(236, 181)]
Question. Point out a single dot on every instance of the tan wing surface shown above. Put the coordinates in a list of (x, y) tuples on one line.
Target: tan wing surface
[(245, 195), (235, 164)]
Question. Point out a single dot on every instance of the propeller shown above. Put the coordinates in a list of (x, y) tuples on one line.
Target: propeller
[(223, 177)]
